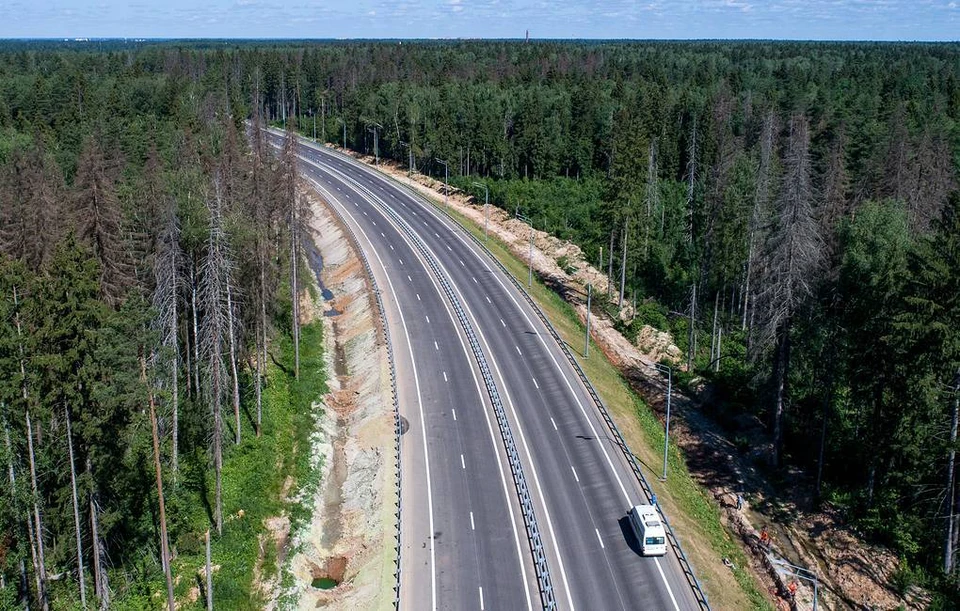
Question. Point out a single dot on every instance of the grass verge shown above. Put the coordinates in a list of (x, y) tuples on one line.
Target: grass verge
[(694, 516)]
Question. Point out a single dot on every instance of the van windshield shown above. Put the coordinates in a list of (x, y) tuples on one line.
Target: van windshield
[(654, 541)]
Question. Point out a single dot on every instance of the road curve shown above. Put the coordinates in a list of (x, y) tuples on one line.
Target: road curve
[(580, 480)]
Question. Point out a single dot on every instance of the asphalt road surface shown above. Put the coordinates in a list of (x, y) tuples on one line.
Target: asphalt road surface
[(456, 480)]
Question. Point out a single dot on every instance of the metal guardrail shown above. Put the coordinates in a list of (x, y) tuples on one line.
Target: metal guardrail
[(685, 565), (534, 538), (691, 577), (351, 236)]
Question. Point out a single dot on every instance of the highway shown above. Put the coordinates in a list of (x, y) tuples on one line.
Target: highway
[(581, 483)]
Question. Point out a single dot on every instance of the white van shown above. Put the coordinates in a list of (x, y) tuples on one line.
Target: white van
[(649, 530)]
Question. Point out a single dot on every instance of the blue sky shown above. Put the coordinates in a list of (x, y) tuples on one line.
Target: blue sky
[(790, 19)]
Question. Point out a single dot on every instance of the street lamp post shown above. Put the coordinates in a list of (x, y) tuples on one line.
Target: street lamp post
[(314, 125), (486, 206), (782, 566), (446, 177), (666, 432), (529, 221), (375, 127), (586, 339), (409, 157)]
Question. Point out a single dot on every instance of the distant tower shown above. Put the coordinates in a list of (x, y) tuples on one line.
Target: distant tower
[(528, 37)]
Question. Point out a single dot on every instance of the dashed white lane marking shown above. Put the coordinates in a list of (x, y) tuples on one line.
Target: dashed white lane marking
[(472, 525), (481, 598), (454, 413), (365, 213), (575, 474), (391, 247), (518, 350), (374, 222), (409, 278), (338, 188), (463, 463), (400, 260), (436, 345), (428, 318), (436, 234), (535, 383), (488, 301), (475, 279), (418, 297), (450, 249), (381, 233), (503, 323), (599, 538), (446, 380), (461, 263), (554, 424)]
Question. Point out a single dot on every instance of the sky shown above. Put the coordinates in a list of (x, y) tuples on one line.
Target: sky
[(636, 19)]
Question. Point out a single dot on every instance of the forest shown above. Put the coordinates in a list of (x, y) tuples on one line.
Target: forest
[(789, 211)]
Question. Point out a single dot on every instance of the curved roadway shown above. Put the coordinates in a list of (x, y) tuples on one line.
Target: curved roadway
[(456, 480)]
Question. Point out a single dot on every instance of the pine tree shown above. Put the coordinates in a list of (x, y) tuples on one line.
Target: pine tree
[(96, 214), (794, 253)]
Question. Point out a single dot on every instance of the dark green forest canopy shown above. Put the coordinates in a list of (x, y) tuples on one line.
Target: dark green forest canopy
[(791, 206)]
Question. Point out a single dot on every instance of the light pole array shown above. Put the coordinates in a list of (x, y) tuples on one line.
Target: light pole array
[(446, 178), (529, 221), (486, 206), (666, 432)]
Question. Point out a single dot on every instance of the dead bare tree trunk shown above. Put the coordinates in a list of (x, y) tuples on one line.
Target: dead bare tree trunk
[(40, 568), (101, 583), (209, 571), (166, 303), (76, 511), (294, 285), (261, 344), (196, 335), (610, 266), (948, 548), (691, 331), (760, 201), (215, 280), (713, 331), (22, 586), (794, 255), (164, 544), (233, 363), (691, 179), (623, 265)]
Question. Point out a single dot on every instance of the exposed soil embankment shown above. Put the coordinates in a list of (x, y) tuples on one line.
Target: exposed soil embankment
[(341, 559), (853, 574)]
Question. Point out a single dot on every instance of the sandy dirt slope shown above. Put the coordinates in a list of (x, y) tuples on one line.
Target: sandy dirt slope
[(349, 538)]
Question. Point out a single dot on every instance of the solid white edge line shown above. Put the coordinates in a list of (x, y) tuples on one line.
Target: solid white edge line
[(669, 591)]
